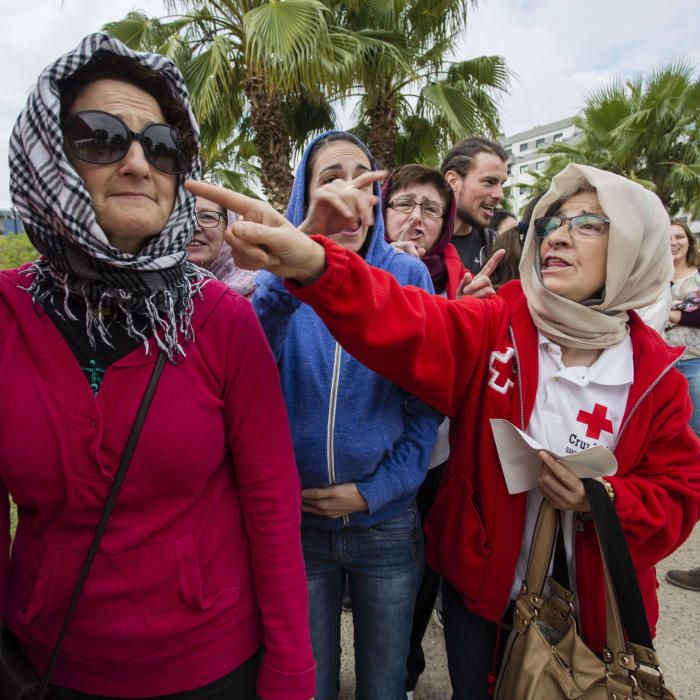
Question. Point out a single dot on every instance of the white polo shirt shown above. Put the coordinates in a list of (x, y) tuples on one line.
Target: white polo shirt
[(575, 408)]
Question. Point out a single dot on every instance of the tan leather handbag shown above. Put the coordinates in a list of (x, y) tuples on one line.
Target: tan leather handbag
[(545, 659)]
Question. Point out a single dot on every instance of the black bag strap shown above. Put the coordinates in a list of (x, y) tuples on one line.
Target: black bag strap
[(560, 568), (622, 574), (109, 506)]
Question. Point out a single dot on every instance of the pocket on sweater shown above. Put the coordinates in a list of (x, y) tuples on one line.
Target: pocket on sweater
[(457, 542), (133, 603), (42, 586), (194, 590)]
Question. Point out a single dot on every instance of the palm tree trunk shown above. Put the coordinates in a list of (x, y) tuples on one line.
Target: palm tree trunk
[(272, 141), (382, 118)]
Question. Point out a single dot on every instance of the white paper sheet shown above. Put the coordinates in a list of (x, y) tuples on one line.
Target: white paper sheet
[(521, 464)]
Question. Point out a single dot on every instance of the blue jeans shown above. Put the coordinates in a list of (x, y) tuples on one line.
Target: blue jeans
[(691, 371), (383, 565)]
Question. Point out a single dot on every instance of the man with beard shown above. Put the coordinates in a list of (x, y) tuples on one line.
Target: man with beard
[(476, 170)]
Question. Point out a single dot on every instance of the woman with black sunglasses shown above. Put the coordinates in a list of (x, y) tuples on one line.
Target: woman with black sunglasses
[(198, 588), (560, 354)]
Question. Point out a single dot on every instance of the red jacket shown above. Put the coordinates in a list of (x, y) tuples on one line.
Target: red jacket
[(455, 356), (455, 270), (201, 563)]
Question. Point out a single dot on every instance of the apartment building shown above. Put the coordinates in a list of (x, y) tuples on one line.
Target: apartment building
[(524, 154)]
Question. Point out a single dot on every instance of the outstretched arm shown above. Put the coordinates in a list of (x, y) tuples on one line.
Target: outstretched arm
[(265, 239), (426, 344)]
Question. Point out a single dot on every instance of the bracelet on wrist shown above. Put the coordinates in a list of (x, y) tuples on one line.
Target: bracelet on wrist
[(609, 490)]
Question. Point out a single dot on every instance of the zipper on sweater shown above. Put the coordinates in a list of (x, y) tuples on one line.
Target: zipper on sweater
[(639, 401), (520, 374), (617, 440), (330, 435)]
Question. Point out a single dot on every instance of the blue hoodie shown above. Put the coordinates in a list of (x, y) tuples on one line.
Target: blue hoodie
[(348, 423)]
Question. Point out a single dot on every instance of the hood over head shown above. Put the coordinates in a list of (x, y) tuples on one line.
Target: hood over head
[(375, 246)]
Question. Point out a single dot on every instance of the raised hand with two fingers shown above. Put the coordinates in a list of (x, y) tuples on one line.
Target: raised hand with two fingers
[(340, 205), (479, 286)]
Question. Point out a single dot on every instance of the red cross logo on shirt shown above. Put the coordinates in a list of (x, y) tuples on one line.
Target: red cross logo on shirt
[(596, 422)]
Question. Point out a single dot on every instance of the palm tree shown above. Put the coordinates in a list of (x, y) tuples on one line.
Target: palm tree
[(264, 75), (251, 66), (414, 111), (647, 129)]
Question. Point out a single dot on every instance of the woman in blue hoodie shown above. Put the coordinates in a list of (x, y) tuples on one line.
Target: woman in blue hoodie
[(362, 447)]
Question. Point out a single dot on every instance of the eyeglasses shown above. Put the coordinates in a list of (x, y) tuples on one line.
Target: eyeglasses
[(101, 138), (584, 225), (430, 210), (209, 219)]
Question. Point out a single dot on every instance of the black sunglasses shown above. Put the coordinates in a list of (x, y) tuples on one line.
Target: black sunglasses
[(101, 138)]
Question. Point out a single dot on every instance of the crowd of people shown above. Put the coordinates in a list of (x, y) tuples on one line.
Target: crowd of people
[(333, 431)]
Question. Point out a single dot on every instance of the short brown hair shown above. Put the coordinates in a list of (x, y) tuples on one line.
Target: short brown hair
[(105, 65), (692, 257), (460, 158), (406, 175)]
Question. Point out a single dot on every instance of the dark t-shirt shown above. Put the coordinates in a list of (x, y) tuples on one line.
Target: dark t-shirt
[(473, 248), (95, 361), (240, 683)]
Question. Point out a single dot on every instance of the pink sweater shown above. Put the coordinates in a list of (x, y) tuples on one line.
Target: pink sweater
[(201, 563)]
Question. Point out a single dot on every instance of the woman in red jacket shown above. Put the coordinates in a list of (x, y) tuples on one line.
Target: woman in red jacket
[(560, 355), (198, 587)]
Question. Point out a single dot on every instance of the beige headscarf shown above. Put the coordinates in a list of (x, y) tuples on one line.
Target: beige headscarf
[(639, 261)]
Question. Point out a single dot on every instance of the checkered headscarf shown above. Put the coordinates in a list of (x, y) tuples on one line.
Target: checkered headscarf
[(56, 209)]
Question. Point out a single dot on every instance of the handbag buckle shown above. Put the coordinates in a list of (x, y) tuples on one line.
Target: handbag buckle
[(651, 679), (634, 690)]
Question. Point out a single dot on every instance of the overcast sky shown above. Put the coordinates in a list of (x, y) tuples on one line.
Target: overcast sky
[(559, 49)]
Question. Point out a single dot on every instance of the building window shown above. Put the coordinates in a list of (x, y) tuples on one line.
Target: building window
[(539, 143), (557, 137), (524, 168), (509, 151), (523, 147), (539, 165), (510, 170)]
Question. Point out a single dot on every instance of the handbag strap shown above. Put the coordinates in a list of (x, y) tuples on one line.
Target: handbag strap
[(107, 511), (616, 555), (541, 549), (560, 569)]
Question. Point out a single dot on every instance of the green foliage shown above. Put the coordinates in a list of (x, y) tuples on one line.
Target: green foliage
[(213, 78), (415, 108), (313, 55), (647, 129), (252, 68), (15, 250)]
